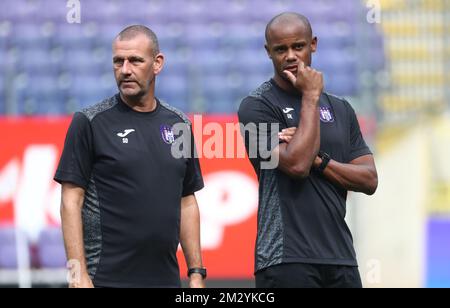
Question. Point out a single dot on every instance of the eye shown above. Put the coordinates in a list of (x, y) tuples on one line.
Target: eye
[(136, 60)]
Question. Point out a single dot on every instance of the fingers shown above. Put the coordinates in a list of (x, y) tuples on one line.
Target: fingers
[(285, 138), (290, 76), (289, 131), (287, 134), (301, 66)]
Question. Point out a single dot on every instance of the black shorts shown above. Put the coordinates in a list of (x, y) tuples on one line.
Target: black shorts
[(299, 275)]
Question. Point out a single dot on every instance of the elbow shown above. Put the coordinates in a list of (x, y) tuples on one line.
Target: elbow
[(372, 186), (299, 172)]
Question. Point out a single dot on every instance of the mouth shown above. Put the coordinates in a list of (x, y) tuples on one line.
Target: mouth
[(128, 83), (291, 68)]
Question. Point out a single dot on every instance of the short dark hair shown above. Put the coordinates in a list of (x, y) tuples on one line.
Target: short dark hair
[(132, 31), (287, 16)]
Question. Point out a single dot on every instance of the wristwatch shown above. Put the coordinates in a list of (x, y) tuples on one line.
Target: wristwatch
[(201, 271), (325, 161)]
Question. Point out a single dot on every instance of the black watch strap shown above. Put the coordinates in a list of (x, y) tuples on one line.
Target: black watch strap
[(325, 161), (201, 271)]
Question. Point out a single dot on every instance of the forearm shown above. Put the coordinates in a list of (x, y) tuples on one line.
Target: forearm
[(357, 178), (301, 151), (190, 232), (72, 226), (73, 234)]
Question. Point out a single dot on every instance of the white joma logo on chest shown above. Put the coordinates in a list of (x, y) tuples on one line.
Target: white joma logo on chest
[(126, 133)]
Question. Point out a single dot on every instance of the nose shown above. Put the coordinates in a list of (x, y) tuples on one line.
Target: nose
[(126, 68), (291, 56)]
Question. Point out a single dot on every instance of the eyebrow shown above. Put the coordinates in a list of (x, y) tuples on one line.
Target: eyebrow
[(295, 43), (132, 58)]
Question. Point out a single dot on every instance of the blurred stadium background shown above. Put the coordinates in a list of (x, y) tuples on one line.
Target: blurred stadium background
[(395, 72)]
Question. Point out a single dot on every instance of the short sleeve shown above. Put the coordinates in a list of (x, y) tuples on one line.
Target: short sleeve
[(75, 165), (193, 180), (260, 126), (358, 146)]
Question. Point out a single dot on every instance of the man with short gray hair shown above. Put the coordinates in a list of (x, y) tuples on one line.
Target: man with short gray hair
[(127, 202)]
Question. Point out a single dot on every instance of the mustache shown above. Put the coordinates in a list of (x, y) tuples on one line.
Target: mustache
[(127, 80)]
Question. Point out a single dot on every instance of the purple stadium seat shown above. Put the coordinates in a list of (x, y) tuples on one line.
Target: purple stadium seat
[(18, 10), (341, 84), (38, 60), (75, 36), (51, 252), (173, 89), (2, 96), (219, 37), (100, 10), (54, 10), (228, 12), (26, 35), (87, 60), (8, 253)]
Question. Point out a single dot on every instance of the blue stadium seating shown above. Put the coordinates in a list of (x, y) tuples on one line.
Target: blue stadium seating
[(199, 38), (39, 60), (2, 76), (50, 246), (173, 89), (8, 248), (26, 35)]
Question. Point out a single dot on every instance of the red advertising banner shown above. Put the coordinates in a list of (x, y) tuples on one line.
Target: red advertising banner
[(29, 153)]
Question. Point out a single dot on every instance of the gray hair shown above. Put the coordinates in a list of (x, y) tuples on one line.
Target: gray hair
[(132, 31)]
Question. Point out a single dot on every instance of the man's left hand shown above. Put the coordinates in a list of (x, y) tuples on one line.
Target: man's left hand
[(287, 134), (196, 282)]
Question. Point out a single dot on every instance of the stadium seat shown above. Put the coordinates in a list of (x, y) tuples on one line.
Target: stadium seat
[(334, 36), (50, 247), (38, 60), (204, 35), (341, 84), (212, 61), (2, 96), (174, 90), (199, 39), (8, 252), (29, 34), (75, 36), (101, 11), (54, 10), (228, 12), (244, 36), (88, 89), (87, 60), (250, 61), (18, 10), (219, 92)]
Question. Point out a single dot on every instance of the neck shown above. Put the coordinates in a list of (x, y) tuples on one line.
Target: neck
[(146, 103)]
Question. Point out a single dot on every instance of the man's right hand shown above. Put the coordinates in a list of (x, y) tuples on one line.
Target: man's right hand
[(308, 81), (85, 282)]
